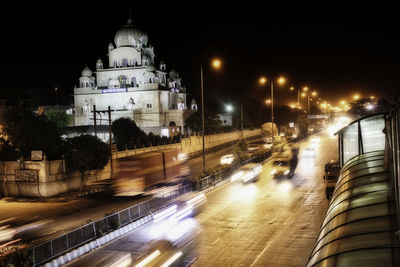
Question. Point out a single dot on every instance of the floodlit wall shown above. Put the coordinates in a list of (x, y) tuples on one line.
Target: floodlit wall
[(43, 178), (194, 143)]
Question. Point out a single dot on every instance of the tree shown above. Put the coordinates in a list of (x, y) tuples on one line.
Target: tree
[(26, 132), (60, 118), (85, 153), (7, 151), (383, 106), (125, 133), (358, 108), (284, 115), (303, 123), (211, 121)]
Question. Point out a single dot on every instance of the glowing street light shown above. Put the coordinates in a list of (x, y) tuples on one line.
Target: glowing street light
[(229, 108), (216, 63), (263, 81), (356, 97)]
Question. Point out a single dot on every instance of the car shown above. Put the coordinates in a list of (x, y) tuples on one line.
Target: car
[(280, 167), (309, 152), (332, 171), (161, 253), (268, 146), (227, 159), (315, 140), (253, 147), (247, 173)]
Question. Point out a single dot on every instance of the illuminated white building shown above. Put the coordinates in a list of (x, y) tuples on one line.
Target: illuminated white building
[(132, 86)]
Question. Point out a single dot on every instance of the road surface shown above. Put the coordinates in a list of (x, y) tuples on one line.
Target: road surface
[(272, 222)]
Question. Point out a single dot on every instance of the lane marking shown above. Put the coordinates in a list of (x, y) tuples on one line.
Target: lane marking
[(216, 240)]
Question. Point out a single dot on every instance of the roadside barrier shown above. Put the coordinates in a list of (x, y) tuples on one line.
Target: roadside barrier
[(86, 238)]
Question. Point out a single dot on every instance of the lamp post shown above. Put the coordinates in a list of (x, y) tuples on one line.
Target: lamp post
[(280, 80), (216, 64)]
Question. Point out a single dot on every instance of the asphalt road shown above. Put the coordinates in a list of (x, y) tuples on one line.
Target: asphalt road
[(271, 222)]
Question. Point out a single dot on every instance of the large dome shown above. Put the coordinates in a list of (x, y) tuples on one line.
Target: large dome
[(129, 35)]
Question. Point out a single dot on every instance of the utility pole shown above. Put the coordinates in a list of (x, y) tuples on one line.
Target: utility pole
[(110, 137), (241, 119), (202, 119), (94, 119)]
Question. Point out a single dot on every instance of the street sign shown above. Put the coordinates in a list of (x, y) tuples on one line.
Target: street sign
[(36, 155), (314, 117), (23, 175)]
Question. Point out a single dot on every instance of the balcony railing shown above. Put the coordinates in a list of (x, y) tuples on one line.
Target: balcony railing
[(361, 136)]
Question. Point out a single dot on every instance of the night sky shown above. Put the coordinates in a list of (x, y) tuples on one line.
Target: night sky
[(335, 54)]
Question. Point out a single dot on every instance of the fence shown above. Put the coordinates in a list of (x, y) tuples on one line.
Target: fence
[(60, 245), (213, 179)]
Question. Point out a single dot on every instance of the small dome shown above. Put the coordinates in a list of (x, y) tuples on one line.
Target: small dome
[(99, 61), (173, 74), (129, 35), (194, 102), (86, 72)]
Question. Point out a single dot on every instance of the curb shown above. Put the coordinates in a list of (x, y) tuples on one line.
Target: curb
[(86, 193)]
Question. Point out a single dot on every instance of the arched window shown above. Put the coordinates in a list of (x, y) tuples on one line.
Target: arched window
[(133, 82), (122, 81), (124, 62)]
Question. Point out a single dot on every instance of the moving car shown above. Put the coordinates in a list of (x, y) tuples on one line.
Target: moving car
[(268, 145), (163, 253), (281, 167), (247, 173), (253, 147), (332, 171), (227, 159), (315, 140), (309, 152)]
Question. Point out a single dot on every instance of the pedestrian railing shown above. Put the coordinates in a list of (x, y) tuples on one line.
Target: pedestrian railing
[(45, 252)]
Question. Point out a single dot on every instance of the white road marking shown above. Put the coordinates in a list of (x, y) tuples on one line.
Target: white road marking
[(216, 240)]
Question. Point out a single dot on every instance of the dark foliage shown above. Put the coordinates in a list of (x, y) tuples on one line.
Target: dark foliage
[(26, 132), (87, 152)]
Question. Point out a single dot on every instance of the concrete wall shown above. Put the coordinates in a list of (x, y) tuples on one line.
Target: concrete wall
[(193, 143), (43, 178)]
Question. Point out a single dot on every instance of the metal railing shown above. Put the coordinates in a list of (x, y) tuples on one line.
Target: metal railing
[(45, 252)]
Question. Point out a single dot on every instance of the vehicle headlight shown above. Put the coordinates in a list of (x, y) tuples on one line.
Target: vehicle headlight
[(286, 172), (236, 176), (248, 177), (273, 171)]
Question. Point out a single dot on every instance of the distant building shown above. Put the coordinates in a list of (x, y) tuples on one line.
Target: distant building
[(132, 86), (226, 120)]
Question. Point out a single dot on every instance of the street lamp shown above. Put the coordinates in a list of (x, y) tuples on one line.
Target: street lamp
[(216, 64), (229, 108), (280, 80)]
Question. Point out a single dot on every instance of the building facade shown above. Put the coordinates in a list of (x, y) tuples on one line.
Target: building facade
[(132, 86)]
